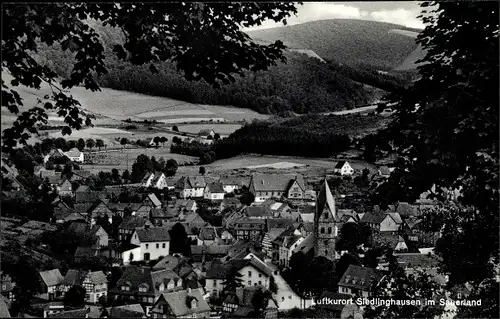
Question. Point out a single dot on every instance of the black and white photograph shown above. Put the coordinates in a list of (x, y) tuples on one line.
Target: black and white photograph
[(250, 160)]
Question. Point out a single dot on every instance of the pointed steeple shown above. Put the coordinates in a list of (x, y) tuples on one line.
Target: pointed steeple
[(325, 197)]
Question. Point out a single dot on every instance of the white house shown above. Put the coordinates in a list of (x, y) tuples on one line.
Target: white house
[(206, 133), (253, 271), (153, 241), (343, 168), (54, 154), (156, 180), (357, 278), (131, 253), (75, 155), (214, 191), (290, 243), (190, 186)]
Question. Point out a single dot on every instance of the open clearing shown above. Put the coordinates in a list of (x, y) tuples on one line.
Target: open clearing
[(279, 165), (110, 106), (222, 129)]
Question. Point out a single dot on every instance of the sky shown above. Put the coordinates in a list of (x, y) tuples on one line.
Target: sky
[(399, 12)]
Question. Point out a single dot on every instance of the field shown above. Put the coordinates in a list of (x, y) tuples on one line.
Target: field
[(111, 106), (278, 165), (222, 129)]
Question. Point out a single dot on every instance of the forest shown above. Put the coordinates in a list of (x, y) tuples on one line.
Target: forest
[(302, 85)]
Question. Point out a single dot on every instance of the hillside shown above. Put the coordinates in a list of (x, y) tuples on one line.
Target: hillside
[(346, 41)]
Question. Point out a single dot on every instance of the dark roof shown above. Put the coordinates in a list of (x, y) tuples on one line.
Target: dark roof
[(210, 250), (340, 164), (51, 277), (215, 187), (276, 182), (258, 211), (207, 233), (78, 313), (179, 302), (416, 260), (324, 200), (133, 222), (359, 277), (373, 218), (74, 277), (153, 234), (126, 311), (388, 240), (85, 252), (167, 262)]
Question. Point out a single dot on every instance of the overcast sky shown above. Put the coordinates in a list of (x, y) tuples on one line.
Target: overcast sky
[(399, 12)]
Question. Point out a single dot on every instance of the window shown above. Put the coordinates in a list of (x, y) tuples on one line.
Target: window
[(255, 284), (326, 252), (260, 282), (282, 298), (322, 230), (157, 246), (260, 275), (249, 282), (215, 283), (4, 287), (163, 245), (147, 246), (329, 230), (249, 274), (326, 215), (289, 297)]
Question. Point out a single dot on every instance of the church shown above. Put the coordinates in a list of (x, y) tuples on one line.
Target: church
[(325, 224)]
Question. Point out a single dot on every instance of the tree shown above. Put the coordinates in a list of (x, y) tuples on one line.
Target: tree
[(179, 241), (60, 143), (260, 300), (171, 167), (247, 198), (344, 262), (216, 136), (202, 170), (157, 140), (68, 171), (90, 143), (80, 144), (447, 124), (200, 58), (115, 175), (175, 128), (176, 140), (75, 297), (163, 140), (233, 280), (58, 168), (272, 285), (126, 175), (124, 141), (352, 235), (99, 143)]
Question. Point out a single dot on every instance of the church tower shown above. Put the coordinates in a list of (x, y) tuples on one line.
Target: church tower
[(325, 224)]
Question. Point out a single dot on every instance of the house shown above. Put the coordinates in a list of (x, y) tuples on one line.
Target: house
[(181, 304), (7, 286), (342, 308), (205, 133), (154, 242), (83, 254), (129, 253), (96, 232), (417, 263), (130, 224), (306, 246), (390, 222), (258, 212), (225, 236), (144, 285), (100, 209), (384, 171), (204, 253), (51, 281), (230, 184), (230, 204), (84, 194), (159, 216), (343, 168), (253, 271), (238, 304), (266, 186), (155, 180), (202, 140), (185, 206), (387, 240), (95, 283), (190, 187), (288, 245), (55, 155), (268, 239), (249, 229), (359, 279), (207, 236), (75, 155), (194, 220), (126, 311), (214, 191), (80, 175), (64, 188)]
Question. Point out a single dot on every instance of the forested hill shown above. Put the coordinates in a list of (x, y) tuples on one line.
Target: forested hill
[(348, 41), (302, 85)]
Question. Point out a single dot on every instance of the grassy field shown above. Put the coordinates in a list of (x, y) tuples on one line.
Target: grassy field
[(222, 129), (111, 106)]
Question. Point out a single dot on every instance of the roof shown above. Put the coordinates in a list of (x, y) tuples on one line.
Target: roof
[(178, 302), (384, 170), (325, 200), (258, 211), (389, 240), (210, 250), (215, 187), (205, 132), (4, 309), (85, 252), (153, 234), (307, 217), (373, 218), (74, 152), (207, 233), (51, 277), (154, 199), (279, 223), (359, 277), (97, 277), (275, 182), (234, 180), (306, 245), (78, 313), (167, 262), (197, 181), (417, 260), (396, 217), (273, 233), (406, 210), (133, 222), (340, 164), (126, 311), (74, 277)]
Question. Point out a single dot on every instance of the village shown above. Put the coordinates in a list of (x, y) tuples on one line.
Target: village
[(210, 246)]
